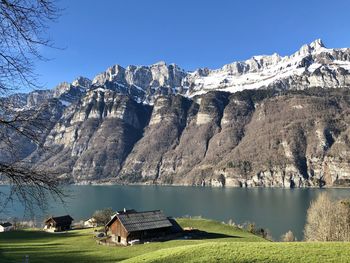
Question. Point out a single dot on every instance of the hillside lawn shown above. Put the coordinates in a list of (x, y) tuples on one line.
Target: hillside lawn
[(228, 244)]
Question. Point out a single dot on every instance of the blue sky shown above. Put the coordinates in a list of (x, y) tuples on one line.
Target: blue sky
[(192, 34)]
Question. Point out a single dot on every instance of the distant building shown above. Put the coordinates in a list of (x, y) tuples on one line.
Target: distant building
[(4, 227), (57, 224), (131, 227), (90, 222)]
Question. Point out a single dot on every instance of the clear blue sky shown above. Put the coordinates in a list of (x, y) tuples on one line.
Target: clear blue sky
[(192, 34)]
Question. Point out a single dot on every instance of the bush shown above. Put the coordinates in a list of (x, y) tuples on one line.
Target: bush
[(231, 222), (288, 237), (230, 164), (251, 228)]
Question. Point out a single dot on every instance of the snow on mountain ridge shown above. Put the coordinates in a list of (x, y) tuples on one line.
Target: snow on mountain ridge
[(313, 65), (257, 72), (262, 71)]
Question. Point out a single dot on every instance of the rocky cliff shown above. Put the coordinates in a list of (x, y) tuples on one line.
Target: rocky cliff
[(267, 121)]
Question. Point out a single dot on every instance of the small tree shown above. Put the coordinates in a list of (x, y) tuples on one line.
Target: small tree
[(15, 223), (231, 222), (103, 216), (251, 228), (288, 237)]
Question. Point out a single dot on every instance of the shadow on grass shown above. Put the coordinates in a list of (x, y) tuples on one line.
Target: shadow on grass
[(54, 256), (35, 234), (199, 234), (194, 235), (30, 247)]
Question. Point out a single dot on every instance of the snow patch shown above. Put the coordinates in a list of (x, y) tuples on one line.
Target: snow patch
[(65, 103), (298, 106)]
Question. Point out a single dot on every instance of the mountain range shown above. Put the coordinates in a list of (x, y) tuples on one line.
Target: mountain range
[(268, 121)]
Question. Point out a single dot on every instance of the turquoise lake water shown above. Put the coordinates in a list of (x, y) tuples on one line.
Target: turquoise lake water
[(278, 210)]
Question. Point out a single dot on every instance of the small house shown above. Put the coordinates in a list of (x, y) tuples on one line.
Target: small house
[(90, 222), (131, 227), (4, 227), (57, 224)]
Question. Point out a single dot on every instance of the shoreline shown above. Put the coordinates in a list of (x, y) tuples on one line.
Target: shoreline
[(209, 186), (188, 185)]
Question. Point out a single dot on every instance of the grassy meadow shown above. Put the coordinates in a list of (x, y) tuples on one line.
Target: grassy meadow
[(223, 244)]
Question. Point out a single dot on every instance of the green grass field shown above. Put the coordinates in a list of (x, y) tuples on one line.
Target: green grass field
[(251, 252), (234, 245)]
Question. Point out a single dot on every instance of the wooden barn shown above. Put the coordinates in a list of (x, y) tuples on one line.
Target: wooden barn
[(59, 223), (130, 226)]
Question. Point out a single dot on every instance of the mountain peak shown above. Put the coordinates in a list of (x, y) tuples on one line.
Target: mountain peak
[(82, 82), (317, 44), (159, 63), (307, 49)]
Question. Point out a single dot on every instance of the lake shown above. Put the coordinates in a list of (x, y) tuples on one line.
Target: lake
[(278, 210)]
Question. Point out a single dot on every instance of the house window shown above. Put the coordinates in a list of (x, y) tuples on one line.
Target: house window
[(119, 239)]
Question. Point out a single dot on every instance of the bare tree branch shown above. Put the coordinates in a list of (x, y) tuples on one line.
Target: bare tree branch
[(23, 25), (22, 32)]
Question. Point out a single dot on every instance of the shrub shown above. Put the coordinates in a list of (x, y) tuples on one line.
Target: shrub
[(251, 228), (230, 164), (288, 237), (231, 222)]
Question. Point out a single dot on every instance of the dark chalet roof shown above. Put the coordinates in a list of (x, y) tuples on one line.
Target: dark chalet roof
[(6, 224), (61, 220), (126, 211), (138, 221)]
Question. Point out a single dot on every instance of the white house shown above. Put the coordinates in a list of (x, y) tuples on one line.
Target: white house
[(90, 223), (4, 227)]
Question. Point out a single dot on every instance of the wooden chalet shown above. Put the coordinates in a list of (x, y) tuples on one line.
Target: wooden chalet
[(57, 224), (129, 226)]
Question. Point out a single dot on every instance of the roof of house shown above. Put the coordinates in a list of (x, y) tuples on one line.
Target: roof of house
[(137, 221), (6, 224), (126, 211), (176, 228), (90, 220), (61, 220)]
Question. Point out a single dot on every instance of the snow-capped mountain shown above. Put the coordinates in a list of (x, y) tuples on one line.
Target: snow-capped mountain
[(313, 65), (65, 92), (143, 83)]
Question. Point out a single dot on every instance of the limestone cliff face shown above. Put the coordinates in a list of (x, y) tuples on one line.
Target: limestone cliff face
[(169, 118), (194, 144), (250, 138), (14, 146), (94, 136), (287, 142)]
